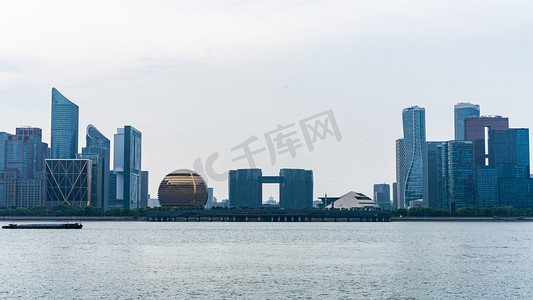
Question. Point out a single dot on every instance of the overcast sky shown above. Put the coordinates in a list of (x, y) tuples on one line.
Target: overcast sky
[(201, 77)]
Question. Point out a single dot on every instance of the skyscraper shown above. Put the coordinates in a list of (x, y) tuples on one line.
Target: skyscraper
[(400, 174), (382, 195), (22, 183), (4, 136), (99, 145), (430, 162), (65, 116), (456, 172), (475, 131), (414, 136), (127, 166), (462, 111), (144, 189), (509, 147)]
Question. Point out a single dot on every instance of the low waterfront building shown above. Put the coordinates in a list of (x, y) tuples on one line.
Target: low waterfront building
[(351, 200)]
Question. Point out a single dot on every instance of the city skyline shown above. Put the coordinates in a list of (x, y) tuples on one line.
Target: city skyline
[(160, 67)]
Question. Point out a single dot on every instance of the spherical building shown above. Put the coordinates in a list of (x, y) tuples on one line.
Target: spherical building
[(183, 188)]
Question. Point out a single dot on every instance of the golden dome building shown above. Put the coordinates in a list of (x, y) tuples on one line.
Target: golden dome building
[(183, 188)]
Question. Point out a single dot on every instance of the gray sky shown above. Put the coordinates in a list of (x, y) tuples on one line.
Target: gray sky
[(199, 77)]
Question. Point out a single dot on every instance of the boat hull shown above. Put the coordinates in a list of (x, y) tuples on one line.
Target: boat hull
[(43, 226)]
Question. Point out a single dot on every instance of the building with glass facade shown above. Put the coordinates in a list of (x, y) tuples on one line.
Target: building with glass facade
[(4, 136), (382, 195), (127, 166), (183, 188), (144, 188), (462, 111), (476, 130), (97, 145), (23, 162), (68, 182), (456, 174), (509, 147), (400, 174), (516, 192), (430, 163), (295, 188), (414, 140), (65, 114)]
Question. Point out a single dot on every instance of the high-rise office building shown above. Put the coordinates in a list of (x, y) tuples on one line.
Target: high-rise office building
[(456, 174), (144, 189), (65, 114), (99, 145), (394, 196), (4, 136), (509, 147), (68, 182), (462, 111), (245, 188), (23, 157), (295, 188), (127, 166), (97, 180), (400, 174), (382, 195), (430, 163), (414, 140), (506, 179), (476, 130)]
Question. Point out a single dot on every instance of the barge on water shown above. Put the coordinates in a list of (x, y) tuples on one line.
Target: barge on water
[(43, 226)]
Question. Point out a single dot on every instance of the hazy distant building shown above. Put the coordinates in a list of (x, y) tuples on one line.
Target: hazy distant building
[(394, 195), (210, 198), (400, 174), (272, 202), (462, 111), (65, 115), (127, 166), (382, 195), (456, 174), (144, 189), (409, 155), (246, 188), (68, 182)]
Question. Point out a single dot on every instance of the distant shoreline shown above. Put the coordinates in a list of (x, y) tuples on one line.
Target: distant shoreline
[(461, 219), (142, 219)]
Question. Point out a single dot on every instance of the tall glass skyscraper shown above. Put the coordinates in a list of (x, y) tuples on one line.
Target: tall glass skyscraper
[(456, 174), (65, 116), (99, 145), (414, 135), (462, 111), (127, 166)]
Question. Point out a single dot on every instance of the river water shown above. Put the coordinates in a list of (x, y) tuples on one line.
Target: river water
[(140, 260)]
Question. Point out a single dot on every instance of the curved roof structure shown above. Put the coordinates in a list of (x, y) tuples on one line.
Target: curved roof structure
[(353, 200), (96, 138), (183, 188)]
